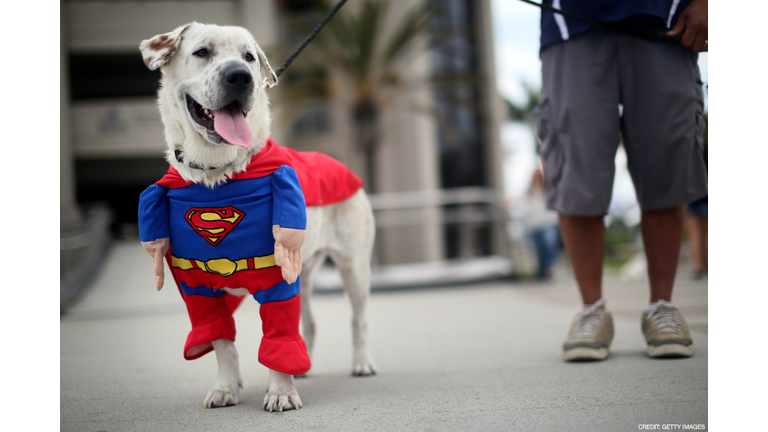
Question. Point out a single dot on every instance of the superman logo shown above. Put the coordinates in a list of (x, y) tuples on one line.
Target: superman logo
[(213, 224)]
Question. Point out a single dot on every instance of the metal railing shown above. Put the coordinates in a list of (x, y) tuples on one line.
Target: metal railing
[(469, 197), (469, 209), (82, 252)]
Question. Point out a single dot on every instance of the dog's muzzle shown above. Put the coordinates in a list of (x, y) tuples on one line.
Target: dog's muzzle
[(237, 83)]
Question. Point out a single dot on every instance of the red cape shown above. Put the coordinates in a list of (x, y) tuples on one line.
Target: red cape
[(324, 180)]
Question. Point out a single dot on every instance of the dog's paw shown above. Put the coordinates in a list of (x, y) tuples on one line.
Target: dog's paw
[(363, 365), (223, 395), (282, 400), (364, 369)]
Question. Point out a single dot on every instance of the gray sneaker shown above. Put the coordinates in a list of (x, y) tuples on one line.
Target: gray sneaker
[(591, 334), (666, 332)]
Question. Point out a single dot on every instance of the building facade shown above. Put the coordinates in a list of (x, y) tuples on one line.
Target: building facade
[(112, 139)]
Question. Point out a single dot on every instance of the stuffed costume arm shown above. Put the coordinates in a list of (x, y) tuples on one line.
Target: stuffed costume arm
[(154, 231), (289, 221)]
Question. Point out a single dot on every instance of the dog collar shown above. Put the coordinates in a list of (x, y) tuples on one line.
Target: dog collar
[(180, 159)]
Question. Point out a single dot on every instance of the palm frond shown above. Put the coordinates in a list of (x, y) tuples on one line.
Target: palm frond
[(414, 24)]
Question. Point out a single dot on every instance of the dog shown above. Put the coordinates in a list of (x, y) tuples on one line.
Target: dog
[(214, 107)]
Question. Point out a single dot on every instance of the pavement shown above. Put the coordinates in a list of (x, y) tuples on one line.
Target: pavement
[(467, 357)]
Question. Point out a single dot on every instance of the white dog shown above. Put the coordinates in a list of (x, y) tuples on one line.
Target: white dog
[(199, 64)]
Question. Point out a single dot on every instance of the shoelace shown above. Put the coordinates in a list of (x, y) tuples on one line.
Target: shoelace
[(665, 316), (589, 319)]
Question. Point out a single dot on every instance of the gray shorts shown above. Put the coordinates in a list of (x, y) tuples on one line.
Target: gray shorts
[(659, 86)]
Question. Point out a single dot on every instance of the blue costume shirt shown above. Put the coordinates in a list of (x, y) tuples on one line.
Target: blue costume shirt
[(222, 236)]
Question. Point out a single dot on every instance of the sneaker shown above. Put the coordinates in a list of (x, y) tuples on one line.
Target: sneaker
[(591, 334), (666, 332)]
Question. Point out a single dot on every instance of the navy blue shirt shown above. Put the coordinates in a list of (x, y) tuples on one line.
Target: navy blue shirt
[(557, 28)]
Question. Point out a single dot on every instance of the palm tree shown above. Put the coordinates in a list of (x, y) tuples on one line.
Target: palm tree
[(355, 49)]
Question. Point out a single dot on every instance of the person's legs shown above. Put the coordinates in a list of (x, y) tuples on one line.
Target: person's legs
[(537, 237), (662, 232), (584, 238), (694, 241), (551, 244), (696, 227), (704, 236), (578, 125), (662, 125), (663, 326), (665, 330)]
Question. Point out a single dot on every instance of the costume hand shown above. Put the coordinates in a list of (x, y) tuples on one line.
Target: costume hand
[(157, 250), (694, 21), (288, 244)]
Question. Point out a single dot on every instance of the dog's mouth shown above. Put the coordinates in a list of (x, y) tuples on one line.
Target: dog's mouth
[(227, 123)]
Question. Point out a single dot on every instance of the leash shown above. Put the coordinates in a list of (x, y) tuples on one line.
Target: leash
[(636, 32), (632, 31), (309, 38)]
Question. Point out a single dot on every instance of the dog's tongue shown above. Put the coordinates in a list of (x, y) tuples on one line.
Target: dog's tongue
[(230, 124)]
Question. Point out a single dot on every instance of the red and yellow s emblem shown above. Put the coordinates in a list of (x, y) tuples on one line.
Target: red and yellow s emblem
[(213, 224)]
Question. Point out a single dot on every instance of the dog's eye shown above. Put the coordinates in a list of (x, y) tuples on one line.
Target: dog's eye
[(249, 57), (202, 53)]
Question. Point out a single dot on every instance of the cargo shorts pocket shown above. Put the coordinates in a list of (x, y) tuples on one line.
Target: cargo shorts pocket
[(700, 123), (549, 147)]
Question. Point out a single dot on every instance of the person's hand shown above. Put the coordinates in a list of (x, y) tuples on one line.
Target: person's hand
[(288, 244), (157, 250), (694, 21)]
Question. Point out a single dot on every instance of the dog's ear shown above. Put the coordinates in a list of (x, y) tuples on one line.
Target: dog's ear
[(159, 50), (266, 69)]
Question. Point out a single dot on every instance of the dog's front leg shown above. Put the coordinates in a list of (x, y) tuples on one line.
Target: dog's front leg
[(227, 388), (281, 394)]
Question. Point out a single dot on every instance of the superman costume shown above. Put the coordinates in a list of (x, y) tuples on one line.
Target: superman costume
[(222, 237)]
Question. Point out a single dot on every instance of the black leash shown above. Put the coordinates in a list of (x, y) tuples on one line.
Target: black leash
[(634, 31), (310, 37), (658, 37)]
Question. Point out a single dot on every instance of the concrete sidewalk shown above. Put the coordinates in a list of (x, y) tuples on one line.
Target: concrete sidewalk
[(481, 357)]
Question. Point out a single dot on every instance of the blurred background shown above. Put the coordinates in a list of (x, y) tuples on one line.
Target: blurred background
[(431, 102)]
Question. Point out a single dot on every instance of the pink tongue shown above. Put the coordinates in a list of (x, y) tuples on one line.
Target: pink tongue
[(230, 124)]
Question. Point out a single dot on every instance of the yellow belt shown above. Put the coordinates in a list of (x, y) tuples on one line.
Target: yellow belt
[(224, 266)]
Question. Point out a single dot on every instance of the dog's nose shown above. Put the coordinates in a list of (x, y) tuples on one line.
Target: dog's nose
[(238, 78)]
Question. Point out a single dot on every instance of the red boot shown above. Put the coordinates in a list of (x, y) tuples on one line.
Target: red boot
[(282, 347)]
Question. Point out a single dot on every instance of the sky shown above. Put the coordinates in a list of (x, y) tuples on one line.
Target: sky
[(516, 34)]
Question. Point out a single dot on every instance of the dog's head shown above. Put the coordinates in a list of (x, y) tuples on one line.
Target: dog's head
[(212, 97)]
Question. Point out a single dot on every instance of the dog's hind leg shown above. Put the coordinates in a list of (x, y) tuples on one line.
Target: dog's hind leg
[(355, 234), (227, 388), (308, 269), (356, 277)]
